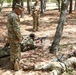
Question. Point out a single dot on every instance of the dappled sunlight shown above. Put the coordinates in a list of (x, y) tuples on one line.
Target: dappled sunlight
[(45, 19)]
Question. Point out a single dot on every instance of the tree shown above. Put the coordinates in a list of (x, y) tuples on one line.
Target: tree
[(14, 3), (70, 8), (1, 3), (59, 30), (75, 5), (29, 6), (19, 2), (22, 4), (59, 5), (43, 6)]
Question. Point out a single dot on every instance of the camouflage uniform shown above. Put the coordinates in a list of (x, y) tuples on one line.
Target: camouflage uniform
[(13, 37), (27, 43), (36, 16)]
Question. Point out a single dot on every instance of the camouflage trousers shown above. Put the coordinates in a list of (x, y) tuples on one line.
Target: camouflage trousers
[(36, 21), (15, 54)]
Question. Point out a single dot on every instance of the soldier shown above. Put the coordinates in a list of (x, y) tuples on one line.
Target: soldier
[(57, 67), (28, 42), (36, 15), (14, 36)]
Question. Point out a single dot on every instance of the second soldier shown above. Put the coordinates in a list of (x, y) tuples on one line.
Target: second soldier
[(36, 15)]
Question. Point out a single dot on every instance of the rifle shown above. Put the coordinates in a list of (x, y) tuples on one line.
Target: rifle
[(60, 57), (41, 38), (57, 59)]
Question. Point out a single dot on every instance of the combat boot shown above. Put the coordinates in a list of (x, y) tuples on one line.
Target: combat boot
[(16, 65)]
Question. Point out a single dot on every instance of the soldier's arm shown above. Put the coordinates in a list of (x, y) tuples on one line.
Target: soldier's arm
[(17, 28)]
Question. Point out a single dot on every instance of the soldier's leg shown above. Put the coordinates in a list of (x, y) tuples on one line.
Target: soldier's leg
[(33, 22), (15, 55), (38, 21)]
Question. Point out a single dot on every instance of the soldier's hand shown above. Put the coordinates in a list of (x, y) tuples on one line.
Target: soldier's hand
[(20, 39), (37, 41)]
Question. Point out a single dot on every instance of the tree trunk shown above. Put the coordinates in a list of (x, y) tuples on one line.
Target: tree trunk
[(1, 2), (59, 5), (59, 30), (75, 6), (22, 4), (70, 8), (14, 3), (43, 6), (29, 5)]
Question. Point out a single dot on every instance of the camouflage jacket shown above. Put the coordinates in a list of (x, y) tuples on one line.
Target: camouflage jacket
[(27, 40), (36, 9), (27, 43), (13, 27)]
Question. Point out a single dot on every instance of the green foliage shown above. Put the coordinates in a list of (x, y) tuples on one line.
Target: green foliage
[(1, 1)]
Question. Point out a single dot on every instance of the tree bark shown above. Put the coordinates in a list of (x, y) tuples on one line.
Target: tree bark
[(14, 3), (75, 6), (70, 8), (1, 2), (59, 30), (43, 6), (59, 8), (22, 4), (29, 5)]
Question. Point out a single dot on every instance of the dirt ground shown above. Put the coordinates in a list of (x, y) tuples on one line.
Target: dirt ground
[(48, 24)]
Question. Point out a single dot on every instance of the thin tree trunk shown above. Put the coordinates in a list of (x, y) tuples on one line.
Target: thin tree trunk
[(22, 4), (75, 5), (1, 2), (14, 3), (59, 30), (70, 8), (59, 5), (29, 5), (43, 6)]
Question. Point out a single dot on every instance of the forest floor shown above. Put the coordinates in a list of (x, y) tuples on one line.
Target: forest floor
[(48, 24)]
